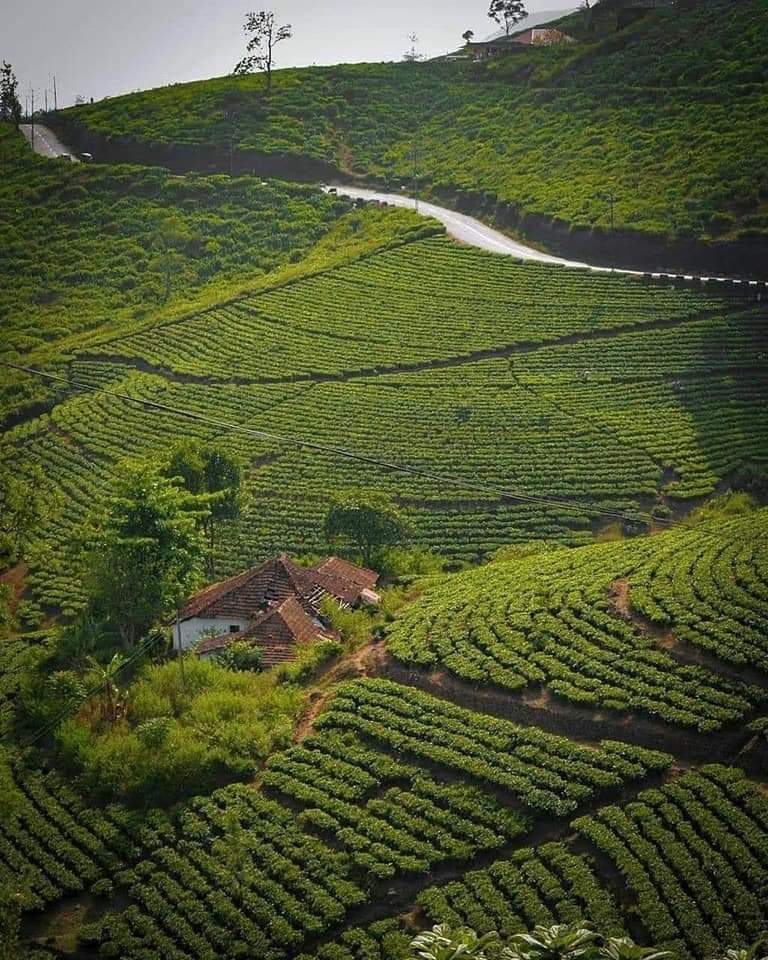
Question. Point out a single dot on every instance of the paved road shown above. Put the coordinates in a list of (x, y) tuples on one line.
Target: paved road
[(469, 230), (464, 228), (47, 144)]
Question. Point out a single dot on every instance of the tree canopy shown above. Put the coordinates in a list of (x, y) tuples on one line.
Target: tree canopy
[(265, 35), (147, 550), (215, 478), (366, 519)]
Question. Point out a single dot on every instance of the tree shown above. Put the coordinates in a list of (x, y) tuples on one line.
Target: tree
[(171, 238), (146, 550), (368, 519), (10, 107), (467, 36), (215, 478), (264, 38), (26, 505), (507, 13)]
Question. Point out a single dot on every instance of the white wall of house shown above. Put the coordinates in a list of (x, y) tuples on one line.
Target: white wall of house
[(192, 628)]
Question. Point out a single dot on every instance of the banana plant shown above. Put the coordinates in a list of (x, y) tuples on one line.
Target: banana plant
[(443, 943), (563, 941), (624, 948), (755, 951)]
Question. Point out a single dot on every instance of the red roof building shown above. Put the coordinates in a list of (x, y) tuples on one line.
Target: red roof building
[(252, 605), (277, 631)]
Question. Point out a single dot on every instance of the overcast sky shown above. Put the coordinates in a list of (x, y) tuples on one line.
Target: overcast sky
[(99, 48)]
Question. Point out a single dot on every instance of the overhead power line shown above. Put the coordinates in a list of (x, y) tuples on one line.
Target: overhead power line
[(318, 447), (77, 702)]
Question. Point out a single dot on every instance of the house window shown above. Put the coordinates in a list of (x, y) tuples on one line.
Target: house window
[(234, 628)]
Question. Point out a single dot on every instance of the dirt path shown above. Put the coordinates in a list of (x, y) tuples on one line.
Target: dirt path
[(364, 662), (684, 653)]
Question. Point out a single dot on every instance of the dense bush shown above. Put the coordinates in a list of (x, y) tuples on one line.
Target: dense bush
[(184, 730)]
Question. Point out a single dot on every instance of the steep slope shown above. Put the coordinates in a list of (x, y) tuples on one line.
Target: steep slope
[(665, 113), (599, 392)]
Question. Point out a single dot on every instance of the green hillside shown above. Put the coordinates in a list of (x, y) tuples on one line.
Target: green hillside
[(668, 113), (600, 391), (604, 626), (557, 709)]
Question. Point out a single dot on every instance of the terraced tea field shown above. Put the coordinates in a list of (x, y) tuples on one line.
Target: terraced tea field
[(572, 622), (602, 392)]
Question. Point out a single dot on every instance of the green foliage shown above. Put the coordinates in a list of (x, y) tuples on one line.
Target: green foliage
[(668, 113), (56, 845), (240, 655), (88, 247), (368, 520), (614, 398), (308, 661), (146, 553), (183, 730), (353, 626), (215, 478), (660, 844), (547, 773), (26, 506), (548, 618)]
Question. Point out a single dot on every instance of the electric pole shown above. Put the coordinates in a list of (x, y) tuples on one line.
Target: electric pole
[(55, 100), (610, 197), (46, 99), (32, 115)]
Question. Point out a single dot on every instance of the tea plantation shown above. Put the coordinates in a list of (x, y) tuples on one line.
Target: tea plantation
[(558, 709), (668, 113), (600, 392)]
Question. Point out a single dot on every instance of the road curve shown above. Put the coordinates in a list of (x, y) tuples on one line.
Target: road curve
[(468, 230), (460, 226), (46, 143)]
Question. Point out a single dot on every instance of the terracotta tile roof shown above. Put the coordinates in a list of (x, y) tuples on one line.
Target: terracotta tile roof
[(277, 630), (344, 580), (246, 595), (337, 567)]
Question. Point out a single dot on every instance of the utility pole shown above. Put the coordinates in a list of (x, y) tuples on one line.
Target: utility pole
[(611, 198), (181, 651), (32, 115), (46, 99), (55, 100)]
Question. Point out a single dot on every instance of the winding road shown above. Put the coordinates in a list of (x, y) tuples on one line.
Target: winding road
[(468, 230), (460, 226), (46, 143)]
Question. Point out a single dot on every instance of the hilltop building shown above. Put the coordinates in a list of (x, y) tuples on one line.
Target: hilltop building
[(275, 605), (532, 37)]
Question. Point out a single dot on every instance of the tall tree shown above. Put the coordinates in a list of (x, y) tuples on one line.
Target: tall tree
[(215, 478), (10, 107), (171, 239), (507, 13), (368, 520), (146, 551), (264, 37), (467, 36)]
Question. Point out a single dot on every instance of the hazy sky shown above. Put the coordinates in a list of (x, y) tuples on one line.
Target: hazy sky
[(103, 47)]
